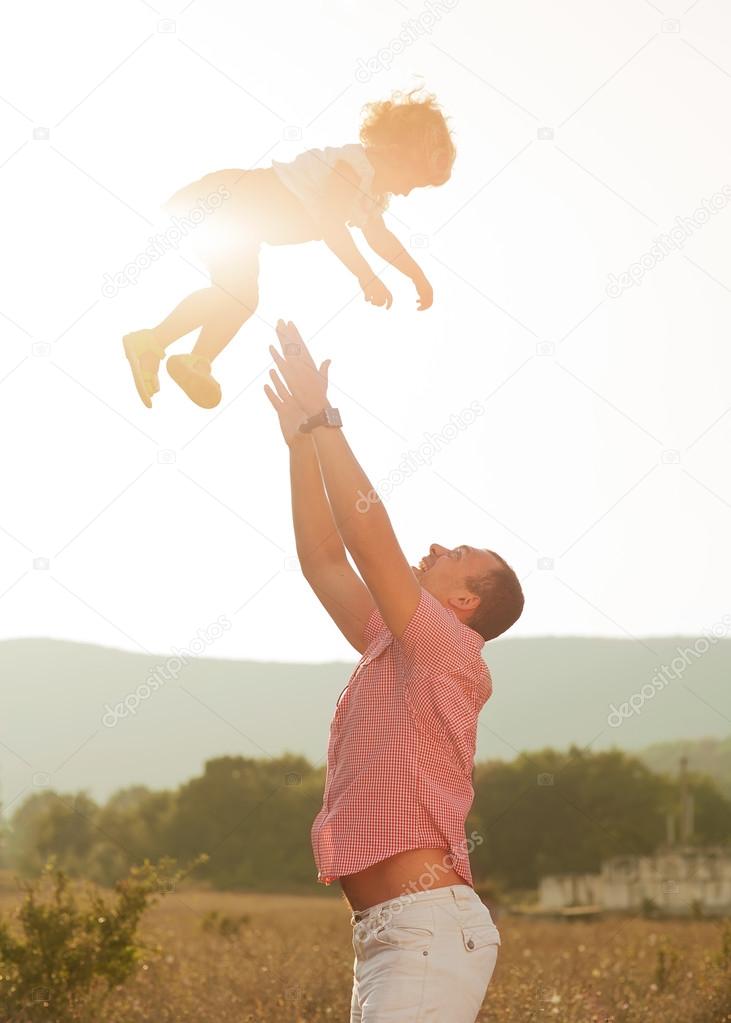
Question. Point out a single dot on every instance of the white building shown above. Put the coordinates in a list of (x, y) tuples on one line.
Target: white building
[(681, 878), (676, 881)]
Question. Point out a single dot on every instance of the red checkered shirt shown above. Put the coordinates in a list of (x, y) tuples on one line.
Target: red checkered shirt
[(402, 744)]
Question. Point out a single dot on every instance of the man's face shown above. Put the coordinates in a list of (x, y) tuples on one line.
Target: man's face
[(445, 570)]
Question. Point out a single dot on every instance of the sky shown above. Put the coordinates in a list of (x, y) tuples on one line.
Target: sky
[(579, 259)]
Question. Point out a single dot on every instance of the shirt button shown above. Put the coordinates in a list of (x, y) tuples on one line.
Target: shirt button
[(470, 943)]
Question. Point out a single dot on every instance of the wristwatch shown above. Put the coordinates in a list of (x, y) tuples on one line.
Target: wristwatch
[(328, 417)]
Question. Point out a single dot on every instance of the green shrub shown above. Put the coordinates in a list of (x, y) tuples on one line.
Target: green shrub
[(68, 949), (222, 924)]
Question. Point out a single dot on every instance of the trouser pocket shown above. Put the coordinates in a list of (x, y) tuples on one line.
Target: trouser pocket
[(479, 936), (409, 931)]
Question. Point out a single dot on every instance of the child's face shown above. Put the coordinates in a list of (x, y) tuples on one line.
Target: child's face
[(401, 173), (407, 177)]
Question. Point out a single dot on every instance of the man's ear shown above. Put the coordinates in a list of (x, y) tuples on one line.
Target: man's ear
[(463, 600)]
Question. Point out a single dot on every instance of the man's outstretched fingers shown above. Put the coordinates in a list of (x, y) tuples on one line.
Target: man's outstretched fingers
[(281, 364), (279, 385), (286, 336), (278, 359), (294, 334), (273, 399), (287, 362), (293, 346)]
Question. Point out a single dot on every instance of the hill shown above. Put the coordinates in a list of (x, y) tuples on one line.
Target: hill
[(58, 727), (706, 756)]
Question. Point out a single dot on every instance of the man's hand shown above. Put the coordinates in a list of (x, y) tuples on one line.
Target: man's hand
[(306, 385), (376, 292), (290, 414), (320, 549), (368, 533), (424, 291)]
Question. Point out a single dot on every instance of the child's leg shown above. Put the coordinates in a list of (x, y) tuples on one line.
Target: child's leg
[(148, 346), (187, 315), (237, 294), (221, 310)]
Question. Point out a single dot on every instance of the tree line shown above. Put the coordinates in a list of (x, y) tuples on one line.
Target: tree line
[(543, 813)]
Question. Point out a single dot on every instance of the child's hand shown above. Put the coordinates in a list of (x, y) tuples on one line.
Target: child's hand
[(425, 293), (376, 292)]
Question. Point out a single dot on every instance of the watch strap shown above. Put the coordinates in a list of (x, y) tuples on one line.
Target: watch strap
[(327, 417)]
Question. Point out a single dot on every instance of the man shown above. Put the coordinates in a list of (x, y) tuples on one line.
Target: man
[(402, 740)]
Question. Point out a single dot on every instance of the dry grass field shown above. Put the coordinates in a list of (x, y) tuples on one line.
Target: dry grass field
[(289, 960)]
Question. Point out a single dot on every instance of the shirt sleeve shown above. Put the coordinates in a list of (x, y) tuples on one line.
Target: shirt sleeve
[(365, 206), (374, 626), (436, 640), (365, 209), (308, 177), (447, 681)]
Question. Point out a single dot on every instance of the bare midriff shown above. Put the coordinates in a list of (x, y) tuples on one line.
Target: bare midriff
[(406, 872)]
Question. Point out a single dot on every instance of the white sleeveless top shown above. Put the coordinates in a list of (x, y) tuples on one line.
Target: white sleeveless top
[(306, 177)]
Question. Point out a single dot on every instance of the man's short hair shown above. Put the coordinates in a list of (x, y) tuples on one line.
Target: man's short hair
[(501, 599)]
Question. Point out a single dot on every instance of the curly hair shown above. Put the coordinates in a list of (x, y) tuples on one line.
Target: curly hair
[(414, 122)]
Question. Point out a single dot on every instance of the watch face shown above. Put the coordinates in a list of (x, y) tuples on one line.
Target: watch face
[(332, 417)]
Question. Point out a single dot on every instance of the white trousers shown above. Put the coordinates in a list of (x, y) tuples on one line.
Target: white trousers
[(423, 958)]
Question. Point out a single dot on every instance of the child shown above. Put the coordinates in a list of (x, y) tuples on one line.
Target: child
[(405, 144)]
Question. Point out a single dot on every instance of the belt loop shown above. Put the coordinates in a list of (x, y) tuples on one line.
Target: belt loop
[(461, 897)]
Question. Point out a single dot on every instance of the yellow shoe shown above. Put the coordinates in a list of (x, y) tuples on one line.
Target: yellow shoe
[(136, 345), (193, 374)]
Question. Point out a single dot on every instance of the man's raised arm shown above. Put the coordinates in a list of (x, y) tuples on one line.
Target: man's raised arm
[(320, 550), (361, 519), (366, 529)]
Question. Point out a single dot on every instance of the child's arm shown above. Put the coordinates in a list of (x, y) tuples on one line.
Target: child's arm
[(387, 245), (342, 191), (339, 240)]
